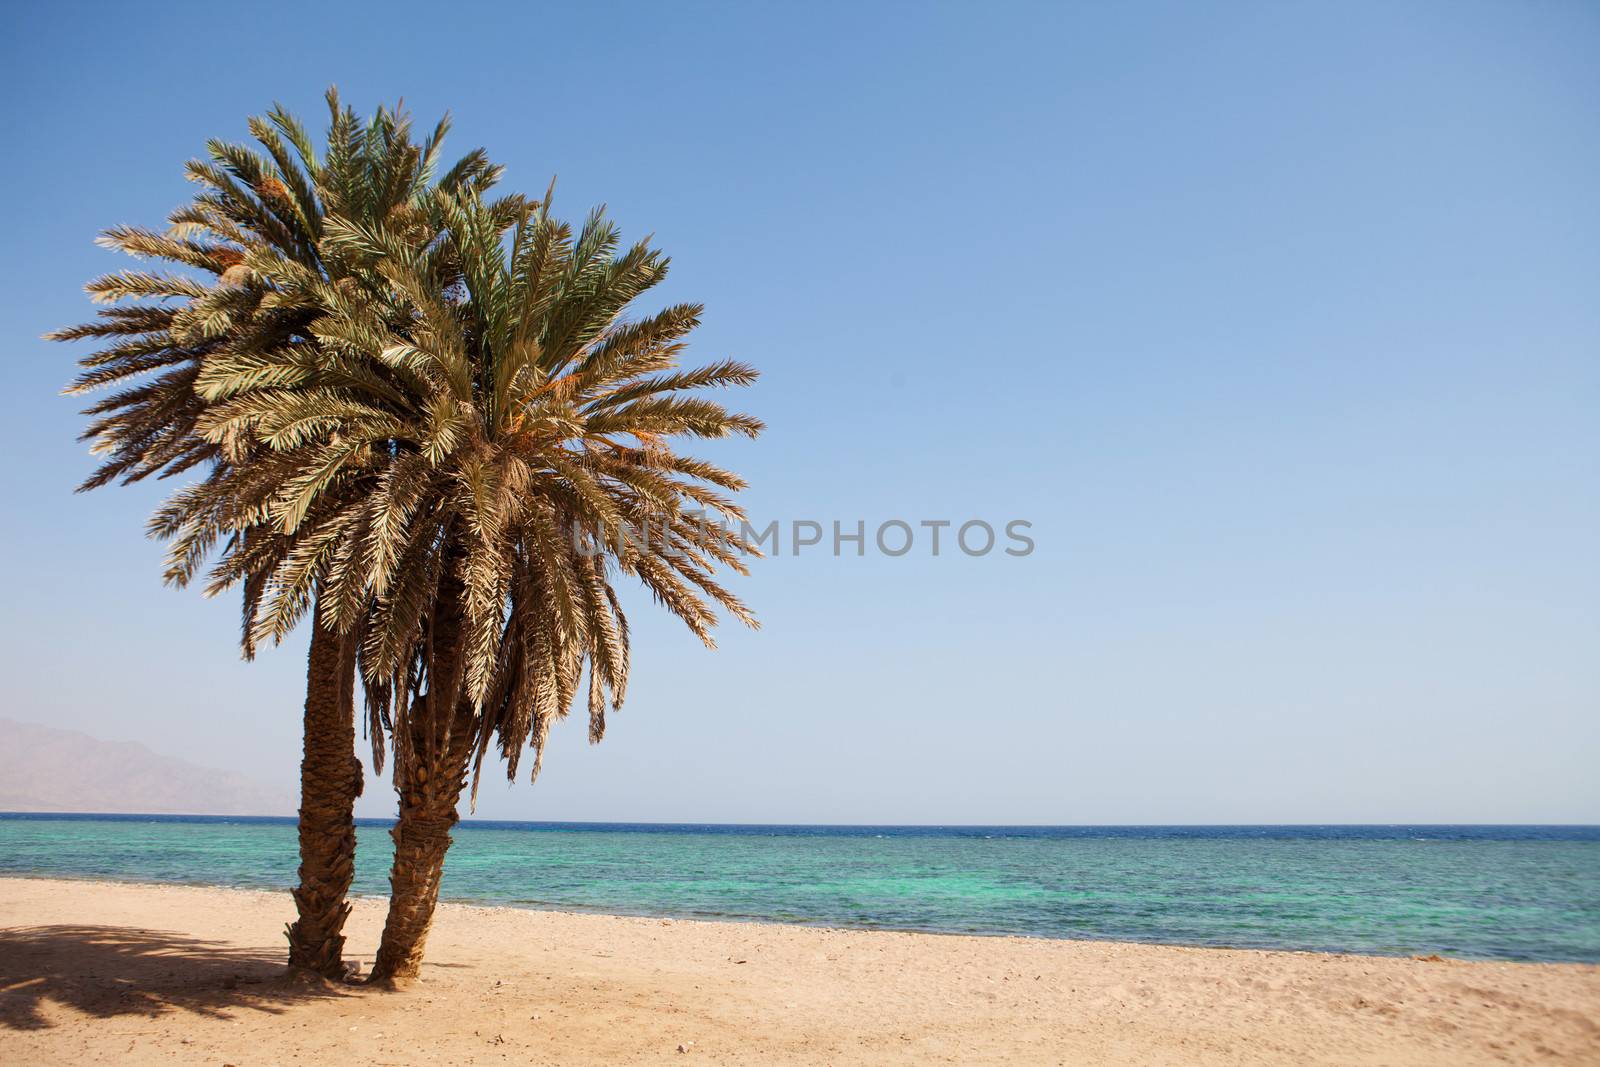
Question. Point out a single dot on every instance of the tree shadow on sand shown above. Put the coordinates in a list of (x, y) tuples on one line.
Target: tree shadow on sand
[(106, 971)]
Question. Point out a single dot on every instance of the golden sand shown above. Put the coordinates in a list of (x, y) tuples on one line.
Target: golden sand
[(97, 972)]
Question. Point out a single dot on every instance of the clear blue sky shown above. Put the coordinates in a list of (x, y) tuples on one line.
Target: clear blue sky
[(1278, 322)]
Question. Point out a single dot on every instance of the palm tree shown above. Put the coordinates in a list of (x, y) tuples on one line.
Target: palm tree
[(252, 207), (514, 430)]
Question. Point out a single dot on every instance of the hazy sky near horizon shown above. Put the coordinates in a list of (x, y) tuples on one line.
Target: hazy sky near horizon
[(1277, 322)]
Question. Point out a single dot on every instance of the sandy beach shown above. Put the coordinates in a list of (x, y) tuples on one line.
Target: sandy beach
[(95, 972)]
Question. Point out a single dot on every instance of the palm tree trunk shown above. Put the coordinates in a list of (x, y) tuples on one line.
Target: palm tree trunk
[(330, 780), (428, 798), (430, 773)]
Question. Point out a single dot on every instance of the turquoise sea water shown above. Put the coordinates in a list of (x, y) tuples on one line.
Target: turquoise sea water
[(1523, 893)]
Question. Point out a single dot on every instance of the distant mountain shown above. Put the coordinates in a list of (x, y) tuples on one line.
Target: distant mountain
[(45, 769)]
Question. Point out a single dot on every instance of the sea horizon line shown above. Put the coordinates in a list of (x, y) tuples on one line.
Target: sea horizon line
[(468, 823)]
